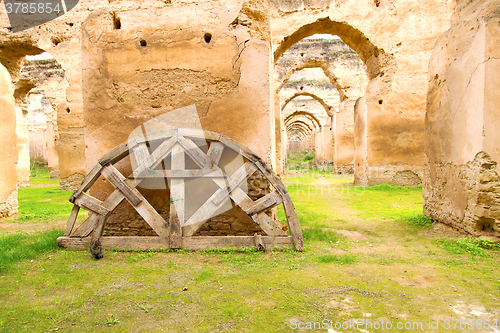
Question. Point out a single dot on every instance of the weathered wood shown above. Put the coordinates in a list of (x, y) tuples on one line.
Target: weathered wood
[(199, 134), (268, 225), (177, 197), (119, 181), (161, 152), (234, 181), (239, 242), (215, 152), (115, 154), (156, 135), (126, 243), (87, 182), (290, 212), (99, 229), (198, 156), (201, 173), (71, 220), (266, 202), (142, 157), (90, 203), (259, 244), (216, 200)]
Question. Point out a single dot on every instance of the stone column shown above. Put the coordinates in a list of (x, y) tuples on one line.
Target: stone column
[(8, 148)]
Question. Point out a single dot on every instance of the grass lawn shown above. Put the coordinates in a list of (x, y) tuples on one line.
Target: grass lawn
[(369, 255)]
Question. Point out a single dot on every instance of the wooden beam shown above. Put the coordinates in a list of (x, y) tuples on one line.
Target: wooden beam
[(119, 181), (215, 152), (90, 203), (195, 173), (142, 157), (188, 243), (198, 156), (87, 182), (161, 152), (117, 153), (71, 220), (268, 201), (177, 198)]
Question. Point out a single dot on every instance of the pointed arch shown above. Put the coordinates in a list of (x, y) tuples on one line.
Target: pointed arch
[(310, 116), (328, 108)]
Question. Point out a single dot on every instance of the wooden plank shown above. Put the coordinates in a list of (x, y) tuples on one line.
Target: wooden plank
[(199, 134), (90, 203), (198, 156), (188, 243), (268, 225), (156, 135), (161, 152), (99, 229), (201, 173), (259, 244), (126, 243), (119, 181), (236, 179), (215, 152), (87, 226), (142, 157), (268, 201), (216, 200), (290, 212), (239, 242), (116, 154), (151, 216), (87, 182), (71, 220), (177, 198)]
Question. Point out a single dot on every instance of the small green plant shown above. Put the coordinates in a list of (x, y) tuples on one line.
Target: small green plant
[(111, 320), (318, 234), (475, 247), (419, 220), (339, 260), (145, 307)]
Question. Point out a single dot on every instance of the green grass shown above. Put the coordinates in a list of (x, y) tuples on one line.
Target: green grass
[(18, 247), (46, 203), (367, 251)]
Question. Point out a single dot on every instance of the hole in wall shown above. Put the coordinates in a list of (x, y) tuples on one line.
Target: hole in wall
[(301, 88), (70, 24), (377, 2), (485, 224), (380, 101), (117, 23), (68, 110), (207, 37), (143, 42), (56, 40)]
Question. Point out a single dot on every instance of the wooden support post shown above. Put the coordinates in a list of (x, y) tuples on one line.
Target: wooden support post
[(177, 196), (71, 220)]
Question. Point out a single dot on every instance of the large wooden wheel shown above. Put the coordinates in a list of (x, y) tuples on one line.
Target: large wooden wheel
[(178, 231)]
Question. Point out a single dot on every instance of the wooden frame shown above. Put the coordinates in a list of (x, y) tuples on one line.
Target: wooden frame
[(178, 230)]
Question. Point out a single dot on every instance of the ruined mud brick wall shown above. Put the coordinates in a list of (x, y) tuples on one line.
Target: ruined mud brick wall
[(395, 40), (213, 54), (461, 184), (61, 38), (8, 149)]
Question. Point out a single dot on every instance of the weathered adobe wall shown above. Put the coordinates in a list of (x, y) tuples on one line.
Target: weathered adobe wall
[(214, 54), (461, 186), (23, 157), (8, 148), (394, 39), (61, 38)]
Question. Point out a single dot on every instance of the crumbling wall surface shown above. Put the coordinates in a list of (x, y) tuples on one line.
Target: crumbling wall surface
[(8, 148), (462, 140), (213, 54), (61, 38), (23, 160), (395, 40)]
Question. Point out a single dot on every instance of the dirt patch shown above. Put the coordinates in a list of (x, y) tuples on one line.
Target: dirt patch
[(351, 234)]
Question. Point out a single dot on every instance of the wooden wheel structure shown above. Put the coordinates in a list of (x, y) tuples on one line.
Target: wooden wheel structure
[(168, 150)]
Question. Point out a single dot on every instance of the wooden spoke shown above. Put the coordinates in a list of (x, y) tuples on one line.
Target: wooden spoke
[(215, 152), (161, 152), (119, 181), (72, 219), (198, 156), (89, 202), (268, 201)]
